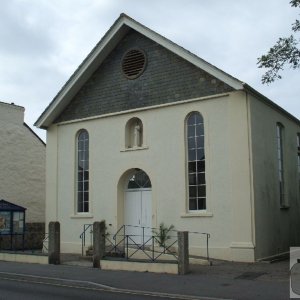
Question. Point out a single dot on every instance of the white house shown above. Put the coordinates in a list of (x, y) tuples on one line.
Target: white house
[(144, 132), (23, 163)]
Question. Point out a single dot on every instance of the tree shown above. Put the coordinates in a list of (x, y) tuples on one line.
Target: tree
[(285, 52)]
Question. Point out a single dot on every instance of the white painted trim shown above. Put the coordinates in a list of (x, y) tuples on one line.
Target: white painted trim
[(145, 108), (134, 149), (197, 214), (82, 216), (82, 69), (195, 60), (103, 48), (138, 190)]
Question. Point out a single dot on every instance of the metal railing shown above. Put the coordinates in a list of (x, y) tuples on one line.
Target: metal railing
[(120, 242), (45, 240), (12, 241), (207, 237), (82, 236), (143, 236), (124, 228), (139, 246), (29, 240)]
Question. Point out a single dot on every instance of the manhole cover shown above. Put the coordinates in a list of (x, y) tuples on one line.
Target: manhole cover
[(250, 275)]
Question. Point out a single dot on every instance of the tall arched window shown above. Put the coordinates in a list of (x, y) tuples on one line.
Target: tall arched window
[(83, 171), (280, 159), (196, 161)]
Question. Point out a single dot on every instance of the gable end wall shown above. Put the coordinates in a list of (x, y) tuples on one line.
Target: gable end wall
[(167, 78)]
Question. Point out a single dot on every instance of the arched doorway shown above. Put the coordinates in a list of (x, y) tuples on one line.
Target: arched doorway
[(138, 207)]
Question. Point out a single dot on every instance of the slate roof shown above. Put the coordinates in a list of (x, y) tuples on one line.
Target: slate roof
[(100, 52), (107, 44), (8, 206)]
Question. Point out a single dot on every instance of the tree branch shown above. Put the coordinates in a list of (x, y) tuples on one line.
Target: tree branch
[(284, 52)]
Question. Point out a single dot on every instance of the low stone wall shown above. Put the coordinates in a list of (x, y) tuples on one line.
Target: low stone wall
[(139, 266), (24, 258), (33, 238)]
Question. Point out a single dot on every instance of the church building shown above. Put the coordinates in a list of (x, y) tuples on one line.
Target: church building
[(146, 132)]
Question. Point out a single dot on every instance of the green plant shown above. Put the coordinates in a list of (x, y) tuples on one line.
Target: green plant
[(162, 233)]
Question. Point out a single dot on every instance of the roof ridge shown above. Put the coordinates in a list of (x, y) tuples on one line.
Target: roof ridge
[(116, 31), (177, 45), (106, 44)]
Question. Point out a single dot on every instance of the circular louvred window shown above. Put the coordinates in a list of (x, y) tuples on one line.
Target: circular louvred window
[(133, 63)]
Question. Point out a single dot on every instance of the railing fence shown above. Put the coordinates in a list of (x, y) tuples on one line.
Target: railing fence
[(126, 244)]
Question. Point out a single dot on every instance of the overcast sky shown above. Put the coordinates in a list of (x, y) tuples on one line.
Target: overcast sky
[(42, 42)]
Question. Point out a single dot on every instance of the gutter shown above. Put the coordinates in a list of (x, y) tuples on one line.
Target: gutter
[(269, 102)]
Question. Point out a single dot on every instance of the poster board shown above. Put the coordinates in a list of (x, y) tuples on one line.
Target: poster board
[(5, 222)]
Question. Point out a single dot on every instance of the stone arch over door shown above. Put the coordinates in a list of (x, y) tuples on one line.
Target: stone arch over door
[(135, 204)]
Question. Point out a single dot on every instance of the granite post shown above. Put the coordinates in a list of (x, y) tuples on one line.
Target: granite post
[(183, 252), (98, 242), (54, 243)]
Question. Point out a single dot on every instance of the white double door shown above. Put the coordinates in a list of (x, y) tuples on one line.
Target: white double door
[(138, 215)]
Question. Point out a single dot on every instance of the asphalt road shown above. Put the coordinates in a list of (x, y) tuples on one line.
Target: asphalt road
[(16, 287), (220, 281), (16, 290)]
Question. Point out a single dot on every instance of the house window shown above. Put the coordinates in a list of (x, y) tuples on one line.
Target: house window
[(83, 172), (196, 162), (279, 137), (134, 133)]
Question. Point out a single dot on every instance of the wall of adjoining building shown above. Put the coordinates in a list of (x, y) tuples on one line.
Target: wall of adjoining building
[(22, 173)]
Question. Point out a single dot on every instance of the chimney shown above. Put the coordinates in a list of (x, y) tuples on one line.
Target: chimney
[(11, 113)]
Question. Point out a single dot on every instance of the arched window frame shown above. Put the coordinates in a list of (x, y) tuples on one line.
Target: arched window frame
[(82, 172), (134, 133), (195, 158), (280, 161), (138, 179)]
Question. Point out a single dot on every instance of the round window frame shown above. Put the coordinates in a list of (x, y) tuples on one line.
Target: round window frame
[(144, 66)]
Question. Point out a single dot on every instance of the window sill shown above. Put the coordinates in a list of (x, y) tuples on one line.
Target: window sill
[(196, 214), (82, 216), (134, 149)]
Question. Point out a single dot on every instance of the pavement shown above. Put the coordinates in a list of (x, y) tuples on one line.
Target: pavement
[(232, 280), (222, 280), (276, 270)]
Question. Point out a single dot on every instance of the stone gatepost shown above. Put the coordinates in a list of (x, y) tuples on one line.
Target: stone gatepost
[(98, 242), (183, 252), (54, 243)]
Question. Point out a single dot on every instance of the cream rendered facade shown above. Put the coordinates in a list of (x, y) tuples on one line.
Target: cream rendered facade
[(242, 215), (23, 162), (229, 181)]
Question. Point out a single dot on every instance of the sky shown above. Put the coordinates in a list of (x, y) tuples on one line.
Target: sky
[(42, 42)]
